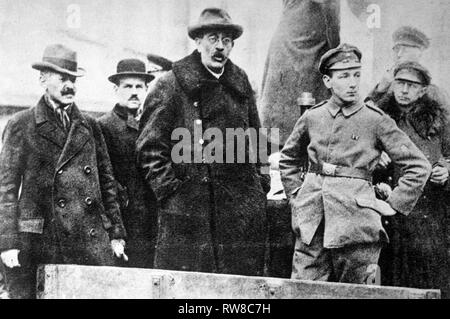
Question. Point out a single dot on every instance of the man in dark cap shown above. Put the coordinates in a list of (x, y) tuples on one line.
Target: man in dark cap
[(418, 243), (409, 45), (335, 214), (212, 213), (121, 129), (58, 200)]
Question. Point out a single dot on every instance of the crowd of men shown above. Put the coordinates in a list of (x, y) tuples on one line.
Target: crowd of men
[(108, 191)]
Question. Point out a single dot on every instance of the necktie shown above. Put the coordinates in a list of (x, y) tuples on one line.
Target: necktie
[(63, 117)]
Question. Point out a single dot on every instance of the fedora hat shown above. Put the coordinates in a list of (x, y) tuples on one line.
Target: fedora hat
[(131, 67), (61, 59), (214, 19)]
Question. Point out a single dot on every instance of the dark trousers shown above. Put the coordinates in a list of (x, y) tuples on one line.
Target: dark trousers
[(349, 264)]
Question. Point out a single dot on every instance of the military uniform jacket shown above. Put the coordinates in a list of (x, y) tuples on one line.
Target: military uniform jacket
[(343, 147), (58, 186)]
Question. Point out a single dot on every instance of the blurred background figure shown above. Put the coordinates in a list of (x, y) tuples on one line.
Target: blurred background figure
[(307, 29)]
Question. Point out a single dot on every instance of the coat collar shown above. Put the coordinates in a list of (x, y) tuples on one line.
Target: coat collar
[(123, 113), (334, 105), (193, 76), (71, 143)]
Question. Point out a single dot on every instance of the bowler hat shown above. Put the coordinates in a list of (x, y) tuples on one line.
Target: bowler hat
[(417, 73), (343, 57), (131, 67), (410, 36), (61, 59), (214, 19)]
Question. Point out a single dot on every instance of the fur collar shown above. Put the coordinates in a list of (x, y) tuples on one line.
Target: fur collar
[(427, 116), (193, 76)]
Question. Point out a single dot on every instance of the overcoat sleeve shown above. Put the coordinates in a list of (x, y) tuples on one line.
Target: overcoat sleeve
[(445, 148), (112, 220), (12, 160), (154, 145), (414, 165), (294, 155)]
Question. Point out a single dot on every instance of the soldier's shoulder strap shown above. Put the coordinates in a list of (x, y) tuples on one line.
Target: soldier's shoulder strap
[(319, 105), (371, 105)]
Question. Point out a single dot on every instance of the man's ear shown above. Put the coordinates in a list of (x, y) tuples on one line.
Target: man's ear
[(422, 91), (43, 79), (327, 81), (115, 88), (197, 43)]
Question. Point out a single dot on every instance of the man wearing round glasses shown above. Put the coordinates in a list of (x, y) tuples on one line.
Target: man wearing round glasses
[(212, 210)]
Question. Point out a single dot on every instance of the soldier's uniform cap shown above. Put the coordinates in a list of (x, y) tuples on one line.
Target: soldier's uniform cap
[(410, 36), (343, 57), (412, 72)]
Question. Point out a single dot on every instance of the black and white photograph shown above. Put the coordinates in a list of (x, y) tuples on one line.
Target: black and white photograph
[(230, 150)]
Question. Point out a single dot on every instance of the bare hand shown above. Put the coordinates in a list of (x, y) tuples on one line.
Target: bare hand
[(118, 247), (383, 190), (384, 160), (10, 258), (439, 175)]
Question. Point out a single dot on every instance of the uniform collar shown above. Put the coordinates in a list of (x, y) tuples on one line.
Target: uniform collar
[(127, 115), (335, 105)]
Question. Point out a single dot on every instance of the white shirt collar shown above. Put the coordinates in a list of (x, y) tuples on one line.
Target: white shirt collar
[(216, 75)]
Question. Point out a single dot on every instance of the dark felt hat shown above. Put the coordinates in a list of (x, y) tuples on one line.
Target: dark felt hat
[(214, 19), (412, 71), (61, 59), (131, 67), (410, 36), (343, 57)]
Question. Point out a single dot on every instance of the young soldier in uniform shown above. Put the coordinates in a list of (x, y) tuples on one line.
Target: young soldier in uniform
[(335, 214)]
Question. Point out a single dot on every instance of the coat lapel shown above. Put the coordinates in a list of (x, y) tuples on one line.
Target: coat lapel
[(46, 125), (126, 116), (78, 136)]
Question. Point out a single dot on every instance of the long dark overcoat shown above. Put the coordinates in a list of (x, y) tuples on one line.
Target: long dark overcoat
[(137, 201), (212, 216), (307, 29), (418, 253), (59, 188)]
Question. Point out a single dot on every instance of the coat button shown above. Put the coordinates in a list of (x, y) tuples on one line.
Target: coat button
[(92, 232), (87, 170), (88, 201), (60, 172), (62, 203), (196, 104), (425, 216), (205, 180)]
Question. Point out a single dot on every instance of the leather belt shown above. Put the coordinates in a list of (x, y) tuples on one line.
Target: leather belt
[(328, 169)]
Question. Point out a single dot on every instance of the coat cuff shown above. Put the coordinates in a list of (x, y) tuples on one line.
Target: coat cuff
[(117, 232), (8, 242), (399, 204), (162, 191)]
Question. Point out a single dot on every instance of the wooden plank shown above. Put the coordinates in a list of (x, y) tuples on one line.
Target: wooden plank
[(87, 282)]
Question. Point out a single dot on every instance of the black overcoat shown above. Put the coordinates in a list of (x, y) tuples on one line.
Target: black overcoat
[(59, 188), (212, 216), (137, 201)]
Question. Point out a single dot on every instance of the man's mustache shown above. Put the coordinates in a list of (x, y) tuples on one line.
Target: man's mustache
[(68, 91), (134, 98), (219, 55)]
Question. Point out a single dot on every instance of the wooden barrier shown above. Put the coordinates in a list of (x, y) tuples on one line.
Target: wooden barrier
[(87, 282)]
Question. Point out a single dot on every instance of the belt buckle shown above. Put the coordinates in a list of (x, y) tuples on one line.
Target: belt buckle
[(328, 169)]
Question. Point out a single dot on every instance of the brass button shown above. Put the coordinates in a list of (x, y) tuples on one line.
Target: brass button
[(60, 172), (196, 104), (92, 232), (205, 180), (87, 170), (88, 201), (62, 203)]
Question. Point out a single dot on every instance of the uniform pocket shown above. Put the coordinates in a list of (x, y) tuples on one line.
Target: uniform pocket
[(381, 207)]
